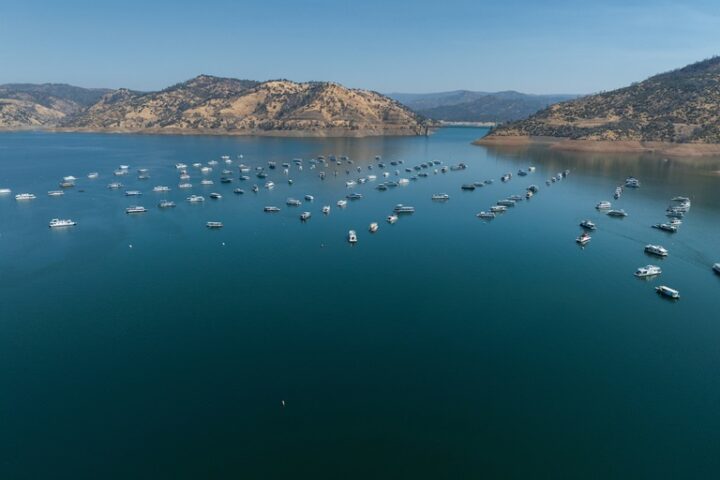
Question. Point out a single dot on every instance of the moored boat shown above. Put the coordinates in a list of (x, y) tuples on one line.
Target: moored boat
[(56, 223), (584, 238), (666, 291), (373, 227), (656, 250), (648, 271), (135, 209)]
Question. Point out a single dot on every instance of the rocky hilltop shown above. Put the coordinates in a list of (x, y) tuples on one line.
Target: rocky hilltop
[(213, 105), (673, 111)]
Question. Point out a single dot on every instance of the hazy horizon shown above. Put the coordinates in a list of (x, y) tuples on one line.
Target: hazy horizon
[(560, 47)]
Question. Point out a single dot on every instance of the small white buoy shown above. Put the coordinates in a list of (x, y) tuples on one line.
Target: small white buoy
[(223, 244), (130, 245), (283, 402)]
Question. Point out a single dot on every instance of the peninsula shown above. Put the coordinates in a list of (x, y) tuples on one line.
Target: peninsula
[(673, 113), (211, 105)]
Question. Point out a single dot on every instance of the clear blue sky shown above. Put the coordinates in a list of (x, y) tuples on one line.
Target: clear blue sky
[(533, 46)]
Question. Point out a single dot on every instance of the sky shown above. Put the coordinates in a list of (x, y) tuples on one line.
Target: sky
[(533, 46)]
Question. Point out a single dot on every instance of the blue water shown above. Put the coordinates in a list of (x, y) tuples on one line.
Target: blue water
[(443, 346)]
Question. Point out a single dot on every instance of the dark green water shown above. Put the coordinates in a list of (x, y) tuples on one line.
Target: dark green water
[(441, 347)]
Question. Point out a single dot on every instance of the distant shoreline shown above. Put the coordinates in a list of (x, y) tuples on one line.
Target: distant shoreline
[(324, 133), (603, 146)]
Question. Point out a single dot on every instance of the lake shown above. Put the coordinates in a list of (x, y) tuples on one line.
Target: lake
[(443, 346)]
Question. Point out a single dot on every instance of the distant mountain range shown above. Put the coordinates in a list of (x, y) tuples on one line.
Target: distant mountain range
[(678, 107), (469, 106), (213, 105)]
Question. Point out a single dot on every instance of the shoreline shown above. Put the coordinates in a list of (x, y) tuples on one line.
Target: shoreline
[(603, 146), (322, 133)]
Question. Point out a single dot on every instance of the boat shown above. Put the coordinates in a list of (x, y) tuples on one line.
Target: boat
[(214, 225), (206, 169), (352, 236), (309, 198), (271, 209), (486, 215), (185, 185), (533, 189), (666, 291), (206, 182), (195, 199), (617, 213), (516, 198), (441, 196), (588, 224), (681, 199), (467, 186), (604, 205), (166, 204), (648, 271), (184, 176), (403, 209), (115, 185), (212, 162), (716, 268), (305, 215), (342, 203), (584, 238), (326, 209), (56, 223), (269, 185), (522, 172), (350, 183), (180, 166), (25, 196), (392, 219), (135, 209), (373, 227), (498, 208), (226, 180), (529, 194), (215, 196), (93, 175), (197, 164), (632, 182), (133, 193), (238, 191), (255, 188), (56, 193), (161, 188), (382, 187), (506, 177), (5, 191), (506, 202), (656, 250), (119, 173), (531, 169), (354, 196), (668, 227), (293, 202), (67, 184)]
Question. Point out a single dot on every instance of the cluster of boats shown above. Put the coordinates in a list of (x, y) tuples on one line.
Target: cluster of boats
[(677, 209), (501, 206)]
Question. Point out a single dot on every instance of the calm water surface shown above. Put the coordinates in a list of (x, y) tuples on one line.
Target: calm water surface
[(441, 347)]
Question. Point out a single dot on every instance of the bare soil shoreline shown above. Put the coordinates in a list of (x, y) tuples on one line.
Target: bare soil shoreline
[(599, 146), (320, 133)]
